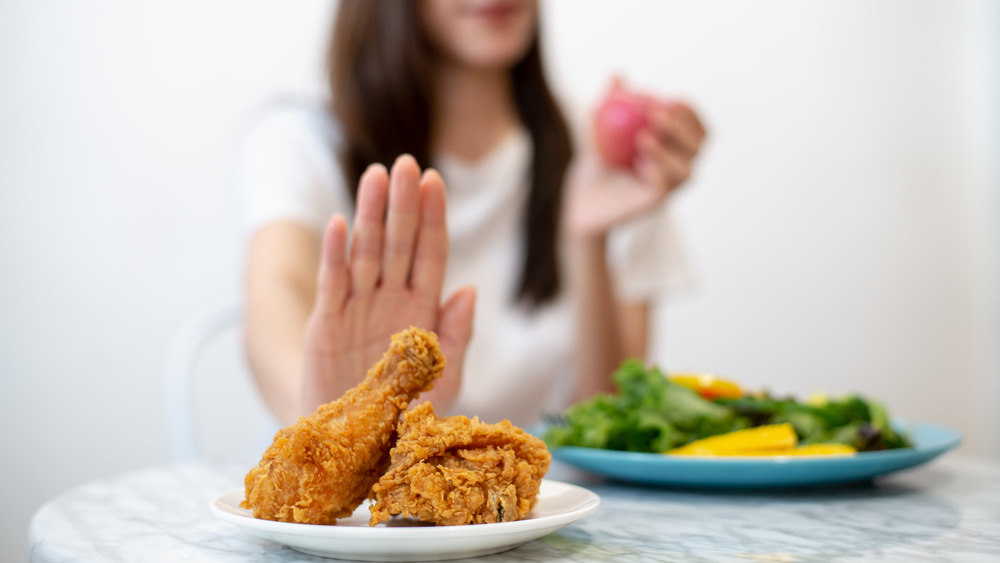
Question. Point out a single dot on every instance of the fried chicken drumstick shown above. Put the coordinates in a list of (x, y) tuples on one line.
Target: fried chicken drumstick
[(454, 471), (324, 466)]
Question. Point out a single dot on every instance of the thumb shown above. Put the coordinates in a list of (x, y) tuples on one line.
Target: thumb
[(455, 322), (454, 331)]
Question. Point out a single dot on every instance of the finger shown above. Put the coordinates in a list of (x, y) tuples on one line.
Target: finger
[(431, 255), (334, 274), (455, 321), (688, 117), (402, 221), (366, 246), (454, 329), (658, 165), (674, 132)]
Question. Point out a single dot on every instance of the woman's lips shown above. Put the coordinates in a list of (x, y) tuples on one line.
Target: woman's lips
[(496, 12)]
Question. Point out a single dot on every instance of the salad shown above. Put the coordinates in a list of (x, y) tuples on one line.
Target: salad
[(702, 415)]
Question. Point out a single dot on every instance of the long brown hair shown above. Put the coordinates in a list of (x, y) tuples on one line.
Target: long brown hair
[(379, 67)]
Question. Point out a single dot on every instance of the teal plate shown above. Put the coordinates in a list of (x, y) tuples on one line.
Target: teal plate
[(930, 441)]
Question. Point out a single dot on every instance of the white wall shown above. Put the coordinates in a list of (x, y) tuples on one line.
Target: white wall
[(842, 223), (839, 224)]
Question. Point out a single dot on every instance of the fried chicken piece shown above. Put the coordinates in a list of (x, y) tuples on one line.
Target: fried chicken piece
[(322, 467), (454, 470)]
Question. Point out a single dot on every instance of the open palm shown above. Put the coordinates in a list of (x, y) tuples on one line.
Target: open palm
[(389, 279)]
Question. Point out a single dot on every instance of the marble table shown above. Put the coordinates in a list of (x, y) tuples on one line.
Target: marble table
[(948, 510)]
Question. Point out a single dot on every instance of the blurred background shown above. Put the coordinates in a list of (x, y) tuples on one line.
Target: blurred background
[(843, 225)]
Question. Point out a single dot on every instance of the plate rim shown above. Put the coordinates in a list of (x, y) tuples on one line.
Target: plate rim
[(951, 441), (589, 503), (742, 472)]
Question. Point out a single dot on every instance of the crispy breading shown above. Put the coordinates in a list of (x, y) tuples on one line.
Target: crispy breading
[(322, 467), (454, 471)]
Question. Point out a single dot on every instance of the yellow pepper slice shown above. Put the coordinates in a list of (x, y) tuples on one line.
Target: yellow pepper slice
[(707, 385), (741, 442), (819, 449)]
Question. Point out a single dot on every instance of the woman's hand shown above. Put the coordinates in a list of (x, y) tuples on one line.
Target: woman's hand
[(599, 197), (391, 278)]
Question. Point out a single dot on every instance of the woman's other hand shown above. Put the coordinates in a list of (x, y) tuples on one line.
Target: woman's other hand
[(389, 279), (599, 196)]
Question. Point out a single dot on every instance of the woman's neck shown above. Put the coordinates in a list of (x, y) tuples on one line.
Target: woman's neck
[(475, 111)]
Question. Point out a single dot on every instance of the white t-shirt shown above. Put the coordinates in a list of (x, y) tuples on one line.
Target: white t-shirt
[(519, 363)]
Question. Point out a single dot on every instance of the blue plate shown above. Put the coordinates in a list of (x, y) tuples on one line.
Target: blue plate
[(930, 441)]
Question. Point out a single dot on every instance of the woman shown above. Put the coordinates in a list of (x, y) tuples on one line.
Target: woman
[(456, 84)]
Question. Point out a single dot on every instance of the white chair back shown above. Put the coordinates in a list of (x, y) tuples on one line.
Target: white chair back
[(207, 384)]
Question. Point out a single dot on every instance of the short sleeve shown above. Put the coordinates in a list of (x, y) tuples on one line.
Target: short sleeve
[(287, 169), (646, 258)]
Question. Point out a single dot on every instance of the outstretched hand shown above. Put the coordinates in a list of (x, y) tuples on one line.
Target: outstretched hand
[(389, 279)]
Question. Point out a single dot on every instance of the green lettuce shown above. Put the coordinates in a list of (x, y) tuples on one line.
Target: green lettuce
[(650, 413)]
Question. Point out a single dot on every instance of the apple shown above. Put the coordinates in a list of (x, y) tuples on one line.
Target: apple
[(617, 121)]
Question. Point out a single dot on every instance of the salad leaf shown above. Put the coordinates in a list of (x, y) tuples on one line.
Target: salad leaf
[(651, 413)]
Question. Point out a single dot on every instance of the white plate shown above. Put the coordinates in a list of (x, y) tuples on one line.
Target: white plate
[(404, 539)]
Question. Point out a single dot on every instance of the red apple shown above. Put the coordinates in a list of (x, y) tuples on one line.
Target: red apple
[(618, 120)]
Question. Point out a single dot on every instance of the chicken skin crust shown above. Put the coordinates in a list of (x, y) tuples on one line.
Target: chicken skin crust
[(453, 471), (322, 467)]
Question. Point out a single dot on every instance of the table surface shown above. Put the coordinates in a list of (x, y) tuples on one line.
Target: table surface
[(947, 510)]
